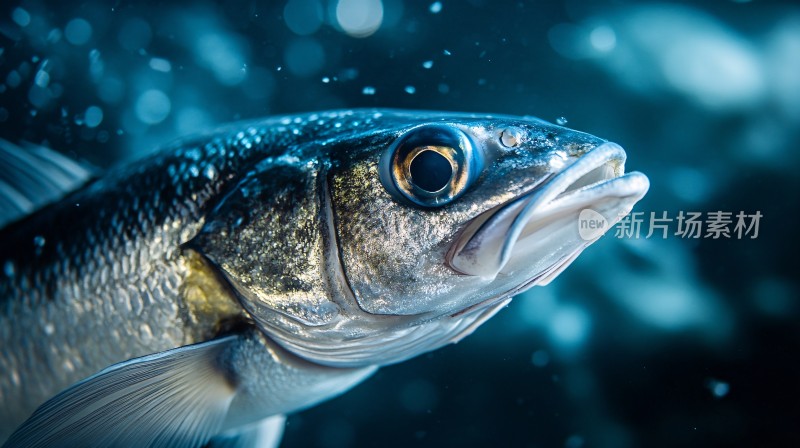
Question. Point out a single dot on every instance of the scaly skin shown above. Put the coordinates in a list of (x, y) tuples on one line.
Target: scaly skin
[(278, 231), (110, 280)]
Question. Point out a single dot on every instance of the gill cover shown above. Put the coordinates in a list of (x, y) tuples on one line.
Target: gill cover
[(430, 165), (266, 237)]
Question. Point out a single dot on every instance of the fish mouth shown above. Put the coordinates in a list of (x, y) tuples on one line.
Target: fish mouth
[(538, 232)]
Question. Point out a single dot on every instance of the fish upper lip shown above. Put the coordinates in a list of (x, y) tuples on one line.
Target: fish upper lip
[(600, 168)]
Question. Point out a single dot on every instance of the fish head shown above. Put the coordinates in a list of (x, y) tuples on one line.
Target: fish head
[(444, 223), (431, 225)]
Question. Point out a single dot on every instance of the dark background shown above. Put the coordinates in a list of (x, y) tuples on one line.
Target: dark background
[(642, 342)]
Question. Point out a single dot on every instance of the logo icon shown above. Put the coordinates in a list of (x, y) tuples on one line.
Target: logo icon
[(591, 224)]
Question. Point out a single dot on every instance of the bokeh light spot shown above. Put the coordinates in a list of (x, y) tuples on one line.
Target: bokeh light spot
[(21, 17), (303, 17), (359, 18), (135, 34), (304, 57), (93, 116), (152, 106), (78, 31)]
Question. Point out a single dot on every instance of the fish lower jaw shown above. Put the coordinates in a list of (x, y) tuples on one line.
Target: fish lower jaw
[(554, 231), (542, 226)]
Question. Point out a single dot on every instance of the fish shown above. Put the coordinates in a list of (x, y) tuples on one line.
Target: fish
[(198, 295)]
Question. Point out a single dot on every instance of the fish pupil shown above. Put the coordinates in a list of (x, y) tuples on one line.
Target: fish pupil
[(430, 171)]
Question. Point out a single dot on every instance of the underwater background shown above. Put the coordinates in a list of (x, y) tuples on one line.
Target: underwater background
[(657, 340)]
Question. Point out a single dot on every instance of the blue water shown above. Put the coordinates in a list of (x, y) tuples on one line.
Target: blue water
[(659, 341)]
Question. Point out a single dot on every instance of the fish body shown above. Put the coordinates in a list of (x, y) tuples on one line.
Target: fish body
[(277, 263)]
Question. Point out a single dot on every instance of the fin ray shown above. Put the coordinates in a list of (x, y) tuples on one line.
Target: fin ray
[(266, 433), (34, 176), (174, 398)]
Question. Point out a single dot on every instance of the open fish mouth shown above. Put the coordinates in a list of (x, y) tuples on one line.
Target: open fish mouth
[(538, 232)]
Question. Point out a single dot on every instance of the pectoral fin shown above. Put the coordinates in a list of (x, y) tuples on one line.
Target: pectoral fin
[(34, 176), (264, 434), (176, 398)]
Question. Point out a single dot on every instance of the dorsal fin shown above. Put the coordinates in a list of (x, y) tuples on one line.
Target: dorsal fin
[(33, 177)]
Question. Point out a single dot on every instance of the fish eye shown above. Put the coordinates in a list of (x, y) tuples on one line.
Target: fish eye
[(430, 165), (431, 168)]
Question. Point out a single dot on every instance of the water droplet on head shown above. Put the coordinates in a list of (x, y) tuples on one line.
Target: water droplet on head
[(561, 121), (511, 137)]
